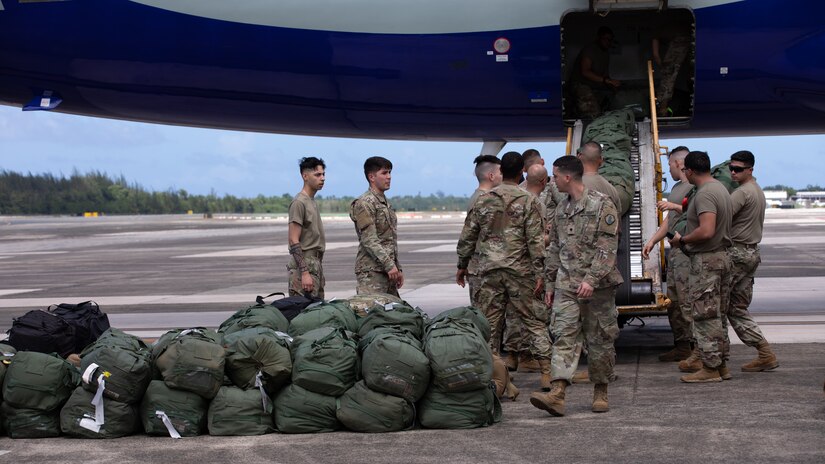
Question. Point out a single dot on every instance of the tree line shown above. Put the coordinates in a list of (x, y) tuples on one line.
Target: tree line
[(46, 194)]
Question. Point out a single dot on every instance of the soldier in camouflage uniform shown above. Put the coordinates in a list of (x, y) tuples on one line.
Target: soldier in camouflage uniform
[(505, 229), (677, 37), (376, 265), (488, 174), (581, 280), (306, 233), (591, 82), (706, 240)]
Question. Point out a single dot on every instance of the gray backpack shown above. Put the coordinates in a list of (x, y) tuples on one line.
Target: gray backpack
[(193, 360), (298, 410), (239, 412), (325, 361), (86, 415), (460, 359), (363, 410), (258, 357), (39, 381), (176, 413), (465, 410), (394, 363)]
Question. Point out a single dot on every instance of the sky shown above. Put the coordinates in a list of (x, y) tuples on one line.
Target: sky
[(245, 164)]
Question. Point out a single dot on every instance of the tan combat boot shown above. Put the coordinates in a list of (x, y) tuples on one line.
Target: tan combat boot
[(501, 377), (552, 402), (546, 380), (680, 352), (511, 391), (511, 361), (600, 398), (527, 363), (724, 372), (703, 375), (765, 361), (692, 363), (581, 376)]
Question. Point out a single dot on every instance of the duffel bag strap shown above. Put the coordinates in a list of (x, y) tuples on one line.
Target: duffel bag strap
[(259, 383), (260, 299)]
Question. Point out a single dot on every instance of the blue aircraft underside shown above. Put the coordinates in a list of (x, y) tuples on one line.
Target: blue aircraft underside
[(120, 59)]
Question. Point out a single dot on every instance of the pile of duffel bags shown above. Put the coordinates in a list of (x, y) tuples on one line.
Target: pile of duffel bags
[(372, 363)]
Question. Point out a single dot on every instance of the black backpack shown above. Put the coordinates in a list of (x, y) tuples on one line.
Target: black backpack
[(43, 332), (290, 306), (88, 320)]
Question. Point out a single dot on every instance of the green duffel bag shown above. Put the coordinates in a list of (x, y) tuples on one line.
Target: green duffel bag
[(468, 313), (401, 314), (721, 172), (194, 361), (394, 363), (260, 315), (325, 361), (335, 313), (239, 412), (298, 410), (258, 356), (29, 423), (119, 338), (464, 410), (363, 342), (168, 412), (126, 373), (39, 381), (460, 359), (363, 410), (362, 304), (87, 416), (6, 353)]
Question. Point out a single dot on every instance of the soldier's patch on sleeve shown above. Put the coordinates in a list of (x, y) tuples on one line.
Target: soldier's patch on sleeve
[(608, 224), (609, 219)]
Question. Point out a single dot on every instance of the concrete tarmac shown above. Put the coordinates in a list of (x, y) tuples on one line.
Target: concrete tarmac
[(154, 273)]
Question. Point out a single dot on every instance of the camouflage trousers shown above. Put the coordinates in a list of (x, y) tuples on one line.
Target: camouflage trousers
[(375, 282), (587, 101), (744, 261), (678, 313), (575, 321), (501, 288), (674, 57), (474, 282), (316, 270), (709, 289)]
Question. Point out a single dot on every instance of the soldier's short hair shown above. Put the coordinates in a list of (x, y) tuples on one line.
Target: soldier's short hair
[(512, 165), (375, 164), (590, 152), (310, 163), (484, 164), (604, 30), (678, 153), (744, 156), (570, 166), (698, 161), (531, 156)]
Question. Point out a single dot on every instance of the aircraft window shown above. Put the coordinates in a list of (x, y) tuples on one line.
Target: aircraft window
[(618, 57)]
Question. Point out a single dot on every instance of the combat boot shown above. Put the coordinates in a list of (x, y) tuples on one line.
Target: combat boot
[(511, 391), (581, 376), (501, 377), (692, 363), (511, 361), (724, 372), (600, 398), (546, 380), (680, 352), (703, 375), (528, 363), (552, 402), (765, 360)]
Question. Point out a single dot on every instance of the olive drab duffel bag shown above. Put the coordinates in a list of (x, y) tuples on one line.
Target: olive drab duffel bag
[(239, 412), (298, 410), (468, 313), (6, 354), (258, 356), (43, 332), (334, 313), (88, 415), (363, 410), (460, 358), (402, 314), (259, 315), (173, 413), (394, 363), (191, 359), (29, 423), (39, 381), (464, 410), (119, 365), (88, 320), (325, 361)]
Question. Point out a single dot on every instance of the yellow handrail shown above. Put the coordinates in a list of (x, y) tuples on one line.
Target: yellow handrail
[(569, 141), (657, 149)]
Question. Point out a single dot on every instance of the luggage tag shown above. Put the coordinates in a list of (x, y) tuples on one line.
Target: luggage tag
[(168, 423), (260, 385)]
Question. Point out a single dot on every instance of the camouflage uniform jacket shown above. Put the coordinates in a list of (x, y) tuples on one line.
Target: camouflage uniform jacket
[(583, 244), (550, 197), (505, 229), (377, 229)]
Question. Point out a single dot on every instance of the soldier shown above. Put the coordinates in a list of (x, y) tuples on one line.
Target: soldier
[(581, 274), (306, 233), (677, 39), (678, 264), (536, 181), (376, 265), (591, 80), (590, 155), (488, 173), (504, 229), (746, 232), (706, 240)]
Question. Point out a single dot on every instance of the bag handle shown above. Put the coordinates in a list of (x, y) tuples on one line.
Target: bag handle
[(51, 308), (260, 299)]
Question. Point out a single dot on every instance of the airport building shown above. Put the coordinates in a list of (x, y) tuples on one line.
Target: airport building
[(810, 199)]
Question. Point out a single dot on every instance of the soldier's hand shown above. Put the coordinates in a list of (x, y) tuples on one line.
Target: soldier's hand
[(585, 290), (548, 297), (646, 250), (676, 241), (400, 281), (459, 277), (613, 83), (393, 275), (664, 205), (306, 282), (539, 288)]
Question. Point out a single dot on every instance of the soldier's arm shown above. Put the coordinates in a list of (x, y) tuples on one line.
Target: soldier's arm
[(661, 232), (534, 231), (468, 239), (368, 234), (606, 245)]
